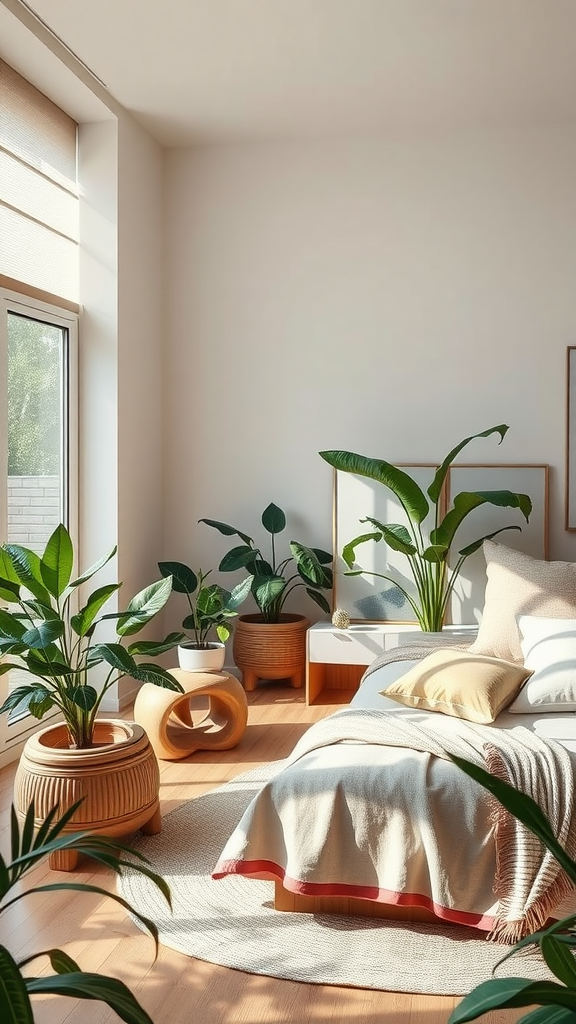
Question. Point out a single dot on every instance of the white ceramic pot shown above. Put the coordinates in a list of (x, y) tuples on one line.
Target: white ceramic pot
[(201, 659)]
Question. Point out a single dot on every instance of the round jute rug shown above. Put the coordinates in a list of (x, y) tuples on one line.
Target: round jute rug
[(232, 922)]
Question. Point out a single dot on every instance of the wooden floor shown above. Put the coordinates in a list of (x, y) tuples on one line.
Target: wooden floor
[(177, 989)]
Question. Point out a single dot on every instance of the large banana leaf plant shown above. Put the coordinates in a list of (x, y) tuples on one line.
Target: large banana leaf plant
[(273, 578), (28, 847), (55, 644), (556, 1002), (427, 539)]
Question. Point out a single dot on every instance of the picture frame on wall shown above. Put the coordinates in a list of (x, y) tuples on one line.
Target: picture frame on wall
[(370, 598), (570, 482), (532, 538)]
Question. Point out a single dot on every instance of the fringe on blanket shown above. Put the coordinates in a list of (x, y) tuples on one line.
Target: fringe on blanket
[(505, 824)]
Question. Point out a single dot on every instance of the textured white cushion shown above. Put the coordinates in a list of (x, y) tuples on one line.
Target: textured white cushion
[(549, 648), (520, 585)]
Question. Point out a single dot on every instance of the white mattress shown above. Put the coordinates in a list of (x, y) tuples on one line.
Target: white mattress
[(560, 727)]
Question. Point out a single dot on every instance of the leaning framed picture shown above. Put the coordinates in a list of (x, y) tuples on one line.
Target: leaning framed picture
[(531, 538), (570, 499), (369, 597)]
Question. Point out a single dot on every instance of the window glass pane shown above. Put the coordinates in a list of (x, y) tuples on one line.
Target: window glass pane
[(35, 406)]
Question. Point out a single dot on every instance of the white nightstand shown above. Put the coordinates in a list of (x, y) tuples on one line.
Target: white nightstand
[(337, 658)]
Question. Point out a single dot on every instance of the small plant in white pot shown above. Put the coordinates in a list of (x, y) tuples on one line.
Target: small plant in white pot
[(211, 609)]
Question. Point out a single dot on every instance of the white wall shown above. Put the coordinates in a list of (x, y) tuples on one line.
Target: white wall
[(121, 358), (389, 296)]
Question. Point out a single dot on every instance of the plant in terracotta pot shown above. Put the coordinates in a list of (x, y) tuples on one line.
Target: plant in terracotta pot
[(427, 538), (211, 610), (271, 644), (43, 635)]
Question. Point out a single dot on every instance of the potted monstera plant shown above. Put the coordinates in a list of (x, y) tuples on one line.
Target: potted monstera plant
[(108, 764), (212, 608), (271, 643), (428, 535)]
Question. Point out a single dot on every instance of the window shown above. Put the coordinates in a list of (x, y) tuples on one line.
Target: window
[(38, 396)]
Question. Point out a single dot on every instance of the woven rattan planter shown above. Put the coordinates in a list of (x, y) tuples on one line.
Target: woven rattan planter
[(270, 650), (118, 778)]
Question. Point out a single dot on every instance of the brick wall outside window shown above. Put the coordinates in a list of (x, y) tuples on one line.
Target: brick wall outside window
[(33, 510)]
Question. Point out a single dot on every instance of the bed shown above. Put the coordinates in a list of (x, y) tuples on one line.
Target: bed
[(370, 815)]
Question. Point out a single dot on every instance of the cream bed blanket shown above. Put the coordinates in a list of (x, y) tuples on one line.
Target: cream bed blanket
[(369, 803)]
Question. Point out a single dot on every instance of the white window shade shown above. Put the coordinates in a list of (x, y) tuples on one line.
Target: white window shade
[(38, 189)]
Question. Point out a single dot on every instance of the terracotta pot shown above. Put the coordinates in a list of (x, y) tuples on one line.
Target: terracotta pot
[(118, 778), (270, 650), (201, 659)]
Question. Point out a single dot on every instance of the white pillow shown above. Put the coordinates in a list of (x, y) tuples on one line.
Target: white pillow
[(549, 648)]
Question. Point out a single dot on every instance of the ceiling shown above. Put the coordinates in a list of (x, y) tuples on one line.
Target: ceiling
[(218, 70)]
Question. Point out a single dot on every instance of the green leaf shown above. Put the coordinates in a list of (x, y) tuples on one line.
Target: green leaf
[(466, 501), (83, 697), (237, 558), (323, 556), (82, 985), (349, 550), (273, 519), (438, 482), (410, 495), (44, 634), (9, 592), (94, 568), (116, 656), (59, 960), (44, 664), (41, 704), (266, 590), (308, 565), (560, 961), (211, 600), (319, 599), (227, 531), (81, 622), (398, 538), (222, 632), (144, 606), (7, 570), (21, 696), (471, 548), (151, 673), (57, 561), (184, 580), (239, 594), (502, 993), (26, 565), (549, 1015), (11, 628), (152, 648), (435, 553), (15, 1006)]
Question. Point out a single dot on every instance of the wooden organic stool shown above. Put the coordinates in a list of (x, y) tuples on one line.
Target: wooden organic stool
[(168, 717)]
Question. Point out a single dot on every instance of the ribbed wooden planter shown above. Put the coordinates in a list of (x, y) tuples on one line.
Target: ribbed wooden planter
[(118, 778), (270, 650)]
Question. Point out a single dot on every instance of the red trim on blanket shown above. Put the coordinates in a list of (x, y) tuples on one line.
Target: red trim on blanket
[(267, 869)]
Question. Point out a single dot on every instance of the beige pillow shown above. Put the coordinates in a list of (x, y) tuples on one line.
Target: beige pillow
[(518, 584), (459, 684)]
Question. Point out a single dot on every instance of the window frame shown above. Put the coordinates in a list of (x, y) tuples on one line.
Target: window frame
[(26, 303)]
